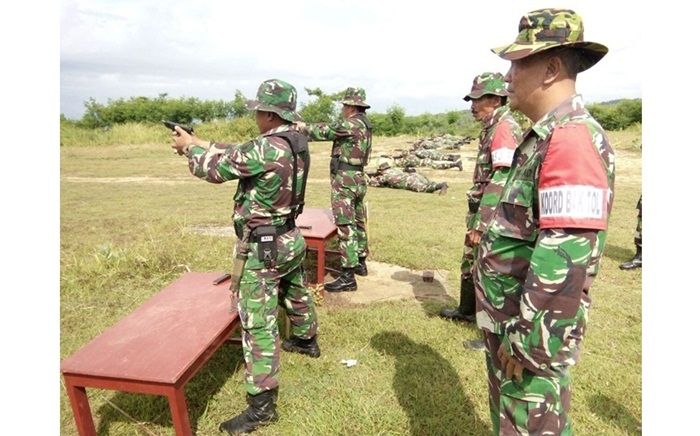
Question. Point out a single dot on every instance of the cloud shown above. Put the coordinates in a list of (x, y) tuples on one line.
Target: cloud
[(421, 56)]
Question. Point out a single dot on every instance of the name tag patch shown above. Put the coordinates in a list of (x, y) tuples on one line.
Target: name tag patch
[(503, 156), (577, 201)]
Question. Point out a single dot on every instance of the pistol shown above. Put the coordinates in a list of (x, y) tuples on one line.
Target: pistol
[(171, 125)]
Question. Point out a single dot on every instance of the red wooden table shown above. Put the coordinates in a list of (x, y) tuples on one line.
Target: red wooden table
[(317, 226), (156, 349)]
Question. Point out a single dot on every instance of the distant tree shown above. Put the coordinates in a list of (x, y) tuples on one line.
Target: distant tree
[(239, 105), (322, 109)]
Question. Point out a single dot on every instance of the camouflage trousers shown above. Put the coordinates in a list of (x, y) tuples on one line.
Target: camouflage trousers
[(536, 406), (414, 161), (468, 253), (348, 189), (261, 290), (638, 232), (418, 183)]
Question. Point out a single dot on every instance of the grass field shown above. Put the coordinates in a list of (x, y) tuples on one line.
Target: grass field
[(125, 214)]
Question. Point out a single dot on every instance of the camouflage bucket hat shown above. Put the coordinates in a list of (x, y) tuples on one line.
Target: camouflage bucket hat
[(487, 83), (355, 97), (548, 28), (276, 96)]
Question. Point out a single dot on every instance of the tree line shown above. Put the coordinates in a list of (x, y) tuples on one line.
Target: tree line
[(322, 107)]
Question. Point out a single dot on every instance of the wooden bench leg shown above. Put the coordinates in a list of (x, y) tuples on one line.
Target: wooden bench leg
[(178, 410), (321, 264), (81, 408)]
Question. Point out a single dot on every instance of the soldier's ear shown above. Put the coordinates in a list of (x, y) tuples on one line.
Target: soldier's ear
[(553, 70)]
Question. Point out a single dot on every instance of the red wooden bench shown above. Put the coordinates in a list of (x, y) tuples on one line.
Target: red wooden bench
[(317, 226), (156, 349)]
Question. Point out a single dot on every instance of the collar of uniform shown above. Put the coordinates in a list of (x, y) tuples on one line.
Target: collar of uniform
[(496, 116), (282, 128), (547, 123)]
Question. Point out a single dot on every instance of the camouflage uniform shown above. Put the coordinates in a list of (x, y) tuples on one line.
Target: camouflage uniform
[(435, 155), (636, 261), (498, 139), (542, 247), (399, 179), (264, 169), (638, 232), (497, 142), (351, 147), (446, 141), (411, 160)]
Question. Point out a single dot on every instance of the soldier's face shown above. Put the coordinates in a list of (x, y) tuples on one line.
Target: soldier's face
[(524, 79), (483, 107), (263, 120), (347, 111)]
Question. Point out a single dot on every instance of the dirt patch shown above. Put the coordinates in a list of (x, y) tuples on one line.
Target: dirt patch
[(387, 282)]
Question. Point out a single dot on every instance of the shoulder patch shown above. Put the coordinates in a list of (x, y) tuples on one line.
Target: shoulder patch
[(503, 145), (573, 186)]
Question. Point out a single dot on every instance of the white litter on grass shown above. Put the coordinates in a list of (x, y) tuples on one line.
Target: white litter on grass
[(349, 362)]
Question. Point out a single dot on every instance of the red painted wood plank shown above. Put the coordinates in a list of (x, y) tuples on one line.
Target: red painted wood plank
[(162, 338), (320, 221)]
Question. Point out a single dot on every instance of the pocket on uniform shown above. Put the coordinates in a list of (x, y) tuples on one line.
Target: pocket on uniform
[(516, 216)]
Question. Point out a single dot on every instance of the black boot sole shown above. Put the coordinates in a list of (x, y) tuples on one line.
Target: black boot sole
[(304, 351), (344, 289)]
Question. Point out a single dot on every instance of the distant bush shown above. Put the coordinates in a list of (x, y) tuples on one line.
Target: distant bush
[(232, 131), (618, 115), (152, 110)]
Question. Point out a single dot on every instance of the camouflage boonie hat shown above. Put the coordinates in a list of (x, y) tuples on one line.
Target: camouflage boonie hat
[(276, 96), (487, 83), (548, 28), (355, 97)]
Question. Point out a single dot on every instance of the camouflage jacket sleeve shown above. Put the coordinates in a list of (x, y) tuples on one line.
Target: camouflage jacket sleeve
[(224, 162), (553, 310), (327, 132)]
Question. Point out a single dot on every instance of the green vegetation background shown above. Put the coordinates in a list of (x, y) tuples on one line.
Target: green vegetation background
[(127, 208)]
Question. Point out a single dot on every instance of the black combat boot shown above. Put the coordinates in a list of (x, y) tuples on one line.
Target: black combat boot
[(458, 164), (344, 282), (302, 346), (361, 268), (635, 262), (467, 303), (441, 188), (261, 411)]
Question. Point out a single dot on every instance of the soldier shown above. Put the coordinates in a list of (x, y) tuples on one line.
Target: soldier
[(412, 160), (499, 137), (542, 248), (636, 261), (435, 155), (352, 142), (387, 177), (271, 170)]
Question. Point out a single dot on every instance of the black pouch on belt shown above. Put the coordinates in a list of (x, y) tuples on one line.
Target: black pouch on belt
[(474, 206), (266, 237), (335, 162)]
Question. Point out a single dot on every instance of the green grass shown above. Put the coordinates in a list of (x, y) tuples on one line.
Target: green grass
[(122, 240)]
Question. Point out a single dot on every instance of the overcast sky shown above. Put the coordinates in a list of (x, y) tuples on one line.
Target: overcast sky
[(419, 55)]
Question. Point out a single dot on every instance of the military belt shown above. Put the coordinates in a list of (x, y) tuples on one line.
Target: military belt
[(279, 230), (343, 166)]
